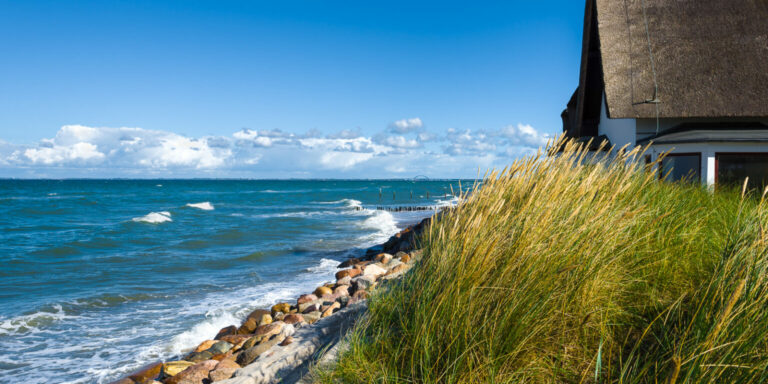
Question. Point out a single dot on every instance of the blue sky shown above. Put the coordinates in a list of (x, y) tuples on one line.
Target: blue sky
[(280, 88)]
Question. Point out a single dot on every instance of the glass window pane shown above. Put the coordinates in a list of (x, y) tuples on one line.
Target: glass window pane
[(681, 167), (733, 168)]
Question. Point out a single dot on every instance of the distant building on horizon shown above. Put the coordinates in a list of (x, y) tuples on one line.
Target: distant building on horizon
[(690, 76)]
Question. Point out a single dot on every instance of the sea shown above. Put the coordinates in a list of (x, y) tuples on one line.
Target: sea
[(101, 277)]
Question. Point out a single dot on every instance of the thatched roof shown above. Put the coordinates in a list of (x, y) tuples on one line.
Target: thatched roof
[(711, 57)]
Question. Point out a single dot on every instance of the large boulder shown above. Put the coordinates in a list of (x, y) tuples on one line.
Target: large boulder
[(348, 272), (148, 372), (312, 317), (328, 310), (250, 343), (268, 330), (341, 291), (364, 282), (310, 307), (305, 299), (346, 280), (320, 291), (224, 369), (226, 331), (249, 355), (205, 345), (294, 318), (235, 339), (374, 270), (393, 263), (195, 374), (220, 347), (172, 368), (383, 258), (255, 319), (281, 307), (199, 356), (349, 263)]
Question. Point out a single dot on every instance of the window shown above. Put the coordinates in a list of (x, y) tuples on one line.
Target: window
[(681, 166), (733, 168)]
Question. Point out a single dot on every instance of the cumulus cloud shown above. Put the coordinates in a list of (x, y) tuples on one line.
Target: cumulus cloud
[(406, 125), (397, 141), (121, 147), (524, 135), (77, 151)]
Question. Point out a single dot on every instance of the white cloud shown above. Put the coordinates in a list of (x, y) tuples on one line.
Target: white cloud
[(343, 160), (63, 153), (468, 143), (397, 142), (406, 125), (122, 147), (77, 151), (524, 135)]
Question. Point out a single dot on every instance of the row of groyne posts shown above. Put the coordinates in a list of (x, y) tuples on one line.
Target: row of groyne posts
[(410, 208)]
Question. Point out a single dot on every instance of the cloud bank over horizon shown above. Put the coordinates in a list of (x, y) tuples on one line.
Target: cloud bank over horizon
[(405, 149)]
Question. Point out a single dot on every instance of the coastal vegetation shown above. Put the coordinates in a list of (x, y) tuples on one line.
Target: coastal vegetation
[(569, 267)]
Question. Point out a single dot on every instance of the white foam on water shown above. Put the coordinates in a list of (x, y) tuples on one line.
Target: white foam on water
[(225, 309), (352, 203), (154, 217), (214, 321), (453, 201), (205, 206), (384, 225), (32, 322)]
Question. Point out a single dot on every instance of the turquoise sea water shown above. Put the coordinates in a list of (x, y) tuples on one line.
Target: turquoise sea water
[(100, 277)]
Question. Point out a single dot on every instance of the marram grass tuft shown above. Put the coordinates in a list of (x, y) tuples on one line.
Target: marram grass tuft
[(567, 268)]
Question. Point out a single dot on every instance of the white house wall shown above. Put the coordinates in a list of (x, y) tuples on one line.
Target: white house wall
[(618, 131)]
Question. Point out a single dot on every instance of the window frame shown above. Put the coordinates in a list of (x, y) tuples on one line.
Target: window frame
[(717, 161)]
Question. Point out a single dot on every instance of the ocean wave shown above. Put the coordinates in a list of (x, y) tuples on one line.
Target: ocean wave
[(383, 223), (325, 266), (214, 321), (221, 309), (205, 206), (154, 217), (453, 201), (33, 322), (347, 202)]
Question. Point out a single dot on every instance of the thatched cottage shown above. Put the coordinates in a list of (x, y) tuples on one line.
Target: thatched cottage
[(686, 76)]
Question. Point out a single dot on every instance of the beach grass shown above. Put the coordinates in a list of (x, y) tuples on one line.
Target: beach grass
[(570, 268)]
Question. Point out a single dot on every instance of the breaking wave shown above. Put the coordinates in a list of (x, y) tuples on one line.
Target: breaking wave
[(154, 217), (205, 206)]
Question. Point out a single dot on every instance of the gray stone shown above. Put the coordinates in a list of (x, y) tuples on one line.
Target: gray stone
[(249, 355), (289, 363), (220, 347), (363, 282), (312, 316)]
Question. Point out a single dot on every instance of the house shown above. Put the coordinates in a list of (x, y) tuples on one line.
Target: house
[(685, 76)]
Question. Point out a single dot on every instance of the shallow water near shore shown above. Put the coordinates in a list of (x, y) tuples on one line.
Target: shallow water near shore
[(100, 277)]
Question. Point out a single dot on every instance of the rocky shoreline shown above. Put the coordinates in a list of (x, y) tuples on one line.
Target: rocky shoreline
[(280, 343)]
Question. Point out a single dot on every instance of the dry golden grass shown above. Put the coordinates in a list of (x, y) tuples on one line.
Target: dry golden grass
[(575, 269)]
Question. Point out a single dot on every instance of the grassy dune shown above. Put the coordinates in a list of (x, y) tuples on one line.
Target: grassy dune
[(555, 273)]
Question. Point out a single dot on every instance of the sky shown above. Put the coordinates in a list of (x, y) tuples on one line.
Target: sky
[(281, 89)]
